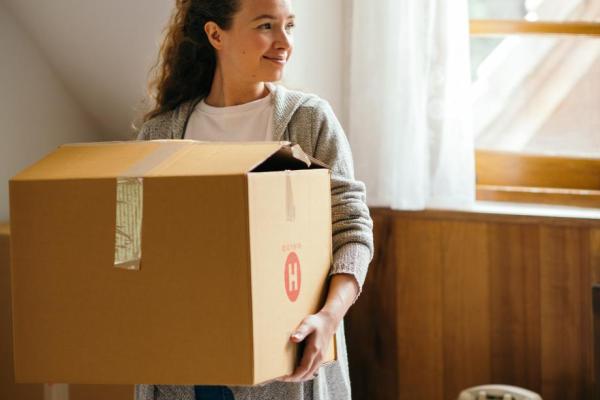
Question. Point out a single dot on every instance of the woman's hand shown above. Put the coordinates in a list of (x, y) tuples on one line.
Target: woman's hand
[(318, 329)]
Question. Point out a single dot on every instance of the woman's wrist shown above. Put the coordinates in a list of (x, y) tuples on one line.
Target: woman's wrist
[(342, 292)]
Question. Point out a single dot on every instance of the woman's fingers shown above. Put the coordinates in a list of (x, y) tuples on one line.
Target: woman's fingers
[(306, 327), (300, 369), (314, 365), (305, 365), (304, 331), (314, 329)]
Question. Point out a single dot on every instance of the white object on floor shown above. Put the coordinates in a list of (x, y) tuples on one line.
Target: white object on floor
[(499, 392), (56, 391)]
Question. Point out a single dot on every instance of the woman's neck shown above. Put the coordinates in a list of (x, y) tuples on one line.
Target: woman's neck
[(225, 93)]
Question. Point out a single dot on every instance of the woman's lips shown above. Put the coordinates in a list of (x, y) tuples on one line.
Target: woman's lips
[(278, 61)]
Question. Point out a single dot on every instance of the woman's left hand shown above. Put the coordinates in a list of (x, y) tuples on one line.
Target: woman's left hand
[(317, 329)]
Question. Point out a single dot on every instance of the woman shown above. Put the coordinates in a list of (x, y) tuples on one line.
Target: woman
[(217, 65)]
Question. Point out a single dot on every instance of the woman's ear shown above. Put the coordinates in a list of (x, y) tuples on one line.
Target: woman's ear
[(214, 34)]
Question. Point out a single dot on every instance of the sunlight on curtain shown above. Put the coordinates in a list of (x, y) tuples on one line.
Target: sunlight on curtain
[(409, 106)]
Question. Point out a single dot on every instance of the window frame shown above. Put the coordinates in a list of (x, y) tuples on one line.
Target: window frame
[(504, 27), (523, 178)]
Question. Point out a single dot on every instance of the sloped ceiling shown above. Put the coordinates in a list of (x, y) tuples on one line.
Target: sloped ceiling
[(101, 50)]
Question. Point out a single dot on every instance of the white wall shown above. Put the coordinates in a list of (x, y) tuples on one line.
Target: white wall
[(36, 112), (318, 64), (103, 51)]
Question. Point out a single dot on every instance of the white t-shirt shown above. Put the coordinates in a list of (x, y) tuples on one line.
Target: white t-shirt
[(250, 122)]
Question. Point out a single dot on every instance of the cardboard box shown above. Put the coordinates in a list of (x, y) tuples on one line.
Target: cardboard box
[(167, 262), (15, 391), (8, 388)]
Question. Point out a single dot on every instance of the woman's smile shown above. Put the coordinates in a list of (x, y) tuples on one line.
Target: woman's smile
[(277, 60)]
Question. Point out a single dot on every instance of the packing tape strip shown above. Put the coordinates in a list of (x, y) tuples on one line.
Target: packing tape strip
[(128, 225), (130, 206), (290, 208)]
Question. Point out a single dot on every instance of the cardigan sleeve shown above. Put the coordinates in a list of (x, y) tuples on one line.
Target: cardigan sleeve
[(144, 392), (352, 226)]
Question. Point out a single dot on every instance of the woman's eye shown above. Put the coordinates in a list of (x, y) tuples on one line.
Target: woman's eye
[(289, 27), (265, 26)]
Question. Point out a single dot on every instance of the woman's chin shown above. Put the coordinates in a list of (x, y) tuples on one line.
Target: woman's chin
[(273, 77)]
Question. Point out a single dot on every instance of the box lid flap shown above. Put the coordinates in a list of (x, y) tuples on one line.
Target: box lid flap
[(166, 158)]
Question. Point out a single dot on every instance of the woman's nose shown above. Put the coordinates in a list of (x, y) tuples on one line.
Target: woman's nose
[(283, 40)]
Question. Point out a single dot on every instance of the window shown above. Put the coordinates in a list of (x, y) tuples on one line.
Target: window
[(536, 100)]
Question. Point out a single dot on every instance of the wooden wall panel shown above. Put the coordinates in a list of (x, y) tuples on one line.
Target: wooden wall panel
[(479, 299), (372, 335), (466, 301), (596, 325), (595, 254), (595, 268), (566, 309), (419, 301), (515, 299)]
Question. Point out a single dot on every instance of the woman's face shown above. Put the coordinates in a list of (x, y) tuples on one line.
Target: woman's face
[(259, 43)]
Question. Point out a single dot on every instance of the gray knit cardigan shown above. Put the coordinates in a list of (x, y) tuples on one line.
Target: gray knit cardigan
[(309, 121)]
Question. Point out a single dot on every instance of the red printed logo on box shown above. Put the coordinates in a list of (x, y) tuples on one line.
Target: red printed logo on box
[(292, 276)]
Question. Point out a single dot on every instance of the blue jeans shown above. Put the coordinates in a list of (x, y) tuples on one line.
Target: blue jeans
[(213, 393)]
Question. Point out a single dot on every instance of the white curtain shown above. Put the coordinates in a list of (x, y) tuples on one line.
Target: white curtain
[(409, 105)]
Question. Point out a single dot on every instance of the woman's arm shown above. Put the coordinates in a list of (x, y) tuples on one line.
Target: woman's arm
[(352, 226)]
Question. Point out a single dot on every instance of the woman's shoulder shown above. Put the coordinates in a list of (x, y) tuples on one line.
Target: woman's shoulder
[(308, 110), (310, 122), (168, 124), (304, 100)]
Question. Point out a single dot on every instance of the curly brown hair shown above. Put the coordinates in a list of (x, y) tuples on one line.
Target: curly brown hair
[(186, 63)]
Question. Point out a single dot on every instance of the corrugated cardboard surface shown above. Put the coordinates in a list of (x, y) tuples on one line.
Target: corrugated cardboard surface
[(8, 388), (149, 323), (185, 158), (186, 317), (288, 214)]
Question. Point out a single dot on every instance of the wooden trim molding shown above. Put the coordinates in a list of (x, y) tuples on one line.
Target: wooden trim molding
[(484, 27), (509, 216), (514, 177), (568, 197), (519, 169)]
